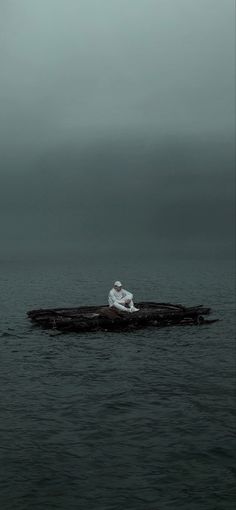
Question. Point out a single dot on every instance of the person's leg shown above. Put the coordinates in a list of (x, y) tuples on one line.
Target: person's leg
[(130, 306), (128, 301), (131, 303), (122, 301), (125, 302), (121, 307), (134, 309)]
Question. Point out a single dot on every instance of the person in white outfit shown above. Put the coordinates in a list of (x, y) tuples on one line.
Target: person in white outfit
[(121, 299)]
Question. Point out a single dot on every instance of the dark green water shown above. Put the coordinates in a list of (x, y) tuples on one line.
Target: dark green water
[(113, 421)]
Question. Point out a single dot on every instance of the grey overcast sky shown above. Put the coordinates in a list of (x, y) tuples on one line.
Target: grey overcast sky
[(79, 65), (109, 102)]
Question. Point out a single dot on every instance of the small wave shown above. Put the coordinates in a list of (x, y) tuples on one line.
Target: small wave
[(6, 334)]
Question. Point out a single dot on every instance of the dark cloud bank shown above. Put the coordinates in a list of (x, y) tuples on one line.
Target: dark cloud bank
[(167, 197)]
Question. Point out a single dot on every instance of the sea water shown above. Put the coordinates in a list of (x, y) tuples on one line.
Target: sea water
[(117, 421)]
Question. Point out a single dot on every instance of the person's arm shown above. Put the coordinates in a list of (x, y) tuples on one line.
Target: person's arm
[(127, 294)]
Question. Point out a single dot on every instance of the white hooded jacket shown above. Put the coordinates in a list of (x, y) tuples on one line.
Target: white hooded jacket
[(120, 296)]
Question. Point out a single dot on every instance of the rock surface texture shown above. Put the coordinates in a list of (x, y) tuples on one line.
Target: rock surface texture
[(94, 318)]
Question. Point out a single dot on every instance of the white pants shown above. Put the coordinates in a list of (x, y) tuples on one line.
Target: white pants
[(120, 305)]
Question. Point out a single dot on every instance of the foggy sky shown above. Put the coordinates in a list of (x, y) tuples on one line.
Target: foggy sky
[(117, 124)]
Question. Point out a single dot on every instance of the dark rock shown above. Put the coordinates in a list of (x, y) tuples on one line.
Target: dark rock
[(93, 318)]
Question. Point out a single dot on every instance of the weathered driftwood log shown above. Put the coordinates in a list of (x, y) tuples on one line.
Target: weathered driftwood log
[(93, 318)]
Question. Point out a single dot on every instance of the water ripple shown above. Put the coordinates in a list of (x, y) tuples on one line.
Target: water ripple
[(142, 420)]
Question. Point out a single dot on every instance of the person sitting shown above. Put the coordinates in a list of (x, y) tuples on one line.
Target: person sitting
[(121, 299)]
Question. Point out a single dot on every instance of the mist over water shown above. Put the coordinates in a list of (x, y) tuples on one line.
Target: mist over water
[(133, 194)]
